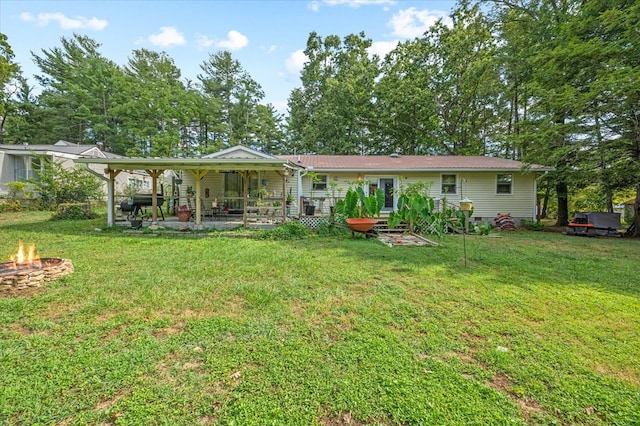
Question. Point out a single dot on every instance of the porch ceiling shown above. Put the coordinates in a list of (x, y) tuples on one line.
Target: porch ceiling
[(217, 164)]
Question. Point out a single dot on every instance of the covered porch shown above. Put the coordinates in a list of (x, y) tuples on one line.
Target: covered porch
[(241, 163)]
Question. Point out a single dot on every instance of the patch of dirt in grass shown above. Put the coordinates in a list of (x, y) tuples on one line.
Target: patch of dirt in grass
[(27, 292), (174, 366), (474, 340), (108, 403), (624, 374), (529, 407), (500, 382), (343, 419), (24, 331), (234, 306), (169, 331), (298, 310)]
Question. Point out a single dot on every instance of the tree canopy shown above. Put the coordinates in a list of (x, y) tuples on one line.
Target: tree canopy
[(552, 82)]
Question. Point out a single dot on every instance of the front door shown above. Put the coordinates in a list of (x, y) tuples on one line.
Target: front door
[(387, 186)]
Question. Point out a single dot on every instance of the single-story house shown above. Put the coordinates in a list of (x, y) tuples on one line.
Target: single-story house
[(494, 185), (21, 162), (245, 181)]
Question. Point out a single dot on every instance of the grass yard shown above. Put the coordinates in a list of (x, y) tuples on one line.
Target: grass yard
[(539, 328)]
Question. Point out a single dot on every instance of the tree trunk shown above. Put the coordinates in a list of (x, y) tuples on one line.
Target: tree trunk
[(545, 202), (563, 204), (636, 216), (609, 196)]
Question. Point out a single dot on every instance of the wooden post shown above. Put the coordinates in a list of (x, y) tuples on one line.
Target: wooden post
[(198, 175), (154, 193), (245, 195), (110, 195), (284, 195)]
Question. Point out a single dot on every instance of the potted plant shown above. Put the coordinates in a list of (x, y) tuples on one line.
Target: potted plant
[(184, 214), (331, 194), (289, 199), (309, 205), (360, 211)]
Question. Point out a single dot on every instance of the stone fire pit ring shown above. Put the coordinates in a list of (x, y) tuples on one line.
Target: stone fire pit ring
[(20, 277)]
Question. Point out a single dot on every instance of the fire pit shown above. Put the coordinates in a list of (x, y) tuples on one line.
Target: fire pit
[(29, 271)]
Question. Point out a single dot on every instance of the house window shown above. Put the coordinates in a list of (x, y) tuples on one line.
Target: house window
[(320, 183), (449, 184), (504, 183), (138, 184), (26, 167)]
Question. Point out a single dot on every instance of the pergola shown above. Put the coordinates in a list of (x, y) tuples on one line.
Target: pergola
[(197, 167)]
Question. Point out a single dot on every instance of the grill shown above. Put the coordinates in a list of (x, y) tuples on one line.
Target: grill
[(138, 204)]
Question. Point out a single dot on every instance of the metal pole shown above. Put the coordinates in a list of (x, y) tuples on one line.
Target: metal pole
[(464, 235)]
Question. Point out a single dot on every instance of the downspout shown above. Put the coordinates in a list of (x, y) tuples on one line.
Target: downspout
[(110, 204)]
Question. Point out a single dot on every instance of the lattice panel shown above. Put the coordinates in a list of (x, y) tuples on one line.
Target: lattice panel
[(313, 221), (424, 227)]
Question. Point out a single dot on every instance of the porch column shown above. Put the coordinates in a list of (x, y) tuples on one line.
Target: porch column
[(284, 194), (154, 193), (198, 175), (110, 195), (245, 196)]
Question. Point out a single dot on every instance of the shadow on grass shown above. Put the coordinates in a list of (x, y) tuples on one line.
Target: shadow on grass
[(520, 258)]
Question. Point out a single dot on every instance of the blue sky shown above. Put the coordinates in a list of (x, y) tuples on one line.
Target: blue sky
[(267, 37)]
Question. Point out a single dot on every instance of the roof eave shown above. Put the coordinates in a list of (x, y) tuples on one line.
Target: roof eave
[(188, 164)]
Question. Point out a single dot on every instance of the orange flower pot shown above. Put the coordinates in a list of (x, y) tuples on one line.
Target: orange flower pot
[(361, 224)]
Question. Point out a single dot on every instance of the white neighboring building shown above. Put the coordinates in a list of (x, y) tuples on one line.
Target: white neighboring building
[(20, 162)]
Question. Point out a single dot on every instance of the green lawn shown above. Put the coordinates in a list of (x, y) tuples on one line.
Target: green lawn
[(539, 328)]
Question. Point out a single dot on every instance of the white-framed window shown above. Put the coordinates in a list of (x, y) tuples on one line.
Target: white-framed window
[(504, 183), (138, 184), (448, 184), (320, 183), (26, 167)]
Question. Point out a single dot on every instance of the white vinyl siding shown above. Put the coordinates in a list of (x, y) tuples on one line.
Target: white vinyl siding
[(480, 187)]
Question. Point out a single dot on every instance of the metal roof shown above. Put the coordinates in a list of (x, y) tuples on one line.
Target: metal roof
[(64, 149), (398, 163), (219, 164)]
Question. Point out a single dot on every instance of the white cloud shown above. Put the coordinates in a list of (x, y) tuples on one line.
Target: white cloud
[(204, 41), (295, 62), (77, 23), (269, 49), (357, 3), (381, 48), (234, 41), (167, 37), (411, 23), (314, 6)]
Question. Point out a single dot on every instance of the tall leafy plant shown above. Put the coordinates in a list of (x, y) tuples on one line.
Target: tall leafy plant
[(412, 209), (358, 205), (417, 210)]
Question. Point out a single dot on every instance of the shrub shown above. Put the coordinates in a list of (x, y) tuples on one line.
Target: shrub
[(74, 211), (56, 185), (331, 227), (293, 230), (532, 226)]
